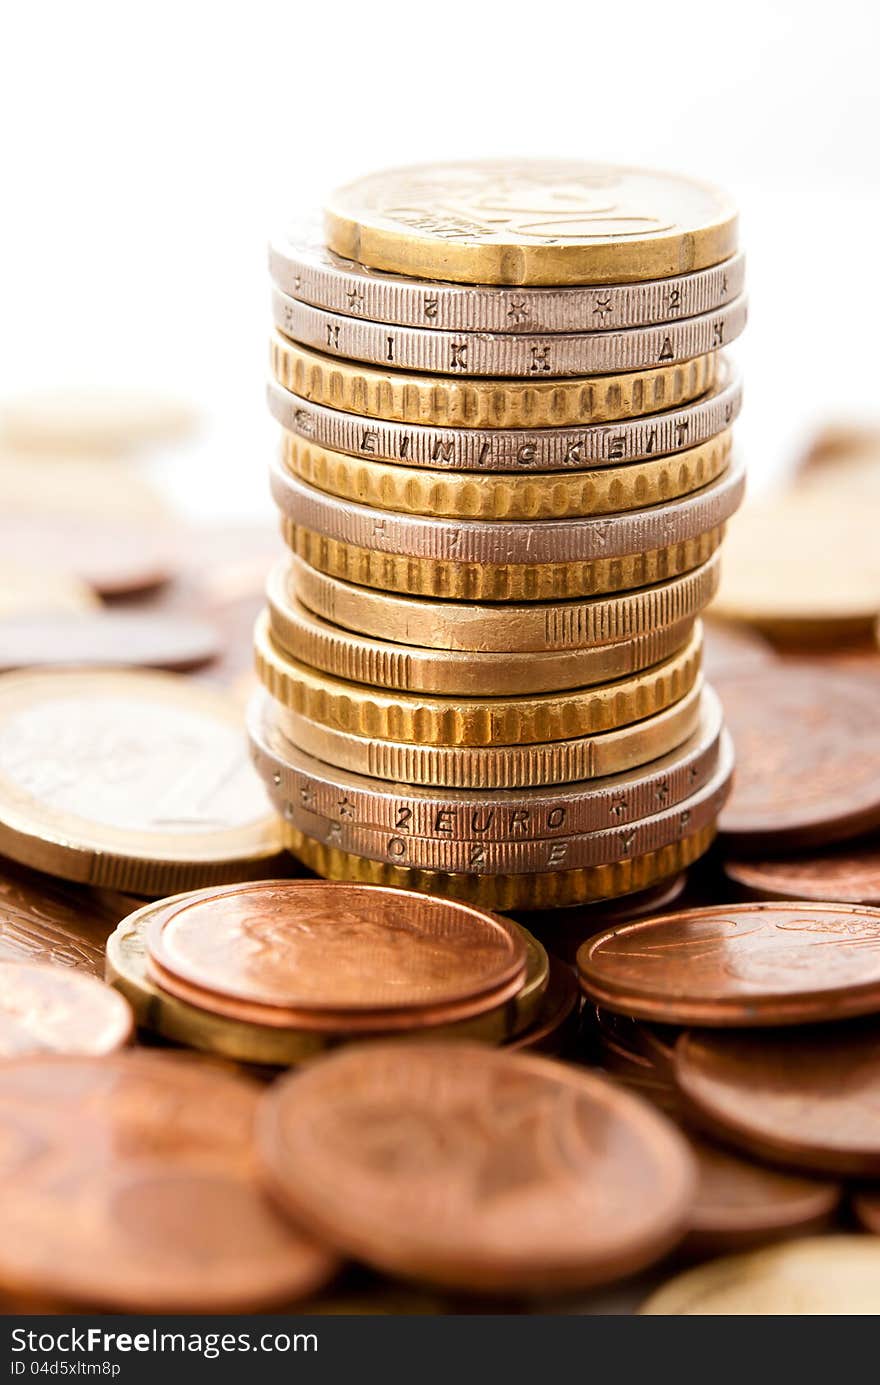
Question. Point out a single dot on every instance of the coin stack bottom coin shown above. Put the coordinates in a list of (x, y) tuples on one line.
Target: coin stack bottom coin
[(503, 504)]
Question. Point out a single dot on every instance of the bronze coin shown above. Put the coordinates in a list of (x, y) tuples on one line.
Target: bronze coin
[(563, 930), (48, 920), (106, 639), (808, 1098), (742, 965), (46, 1009), (475, 1168), (325, 954), (129, 1183), (847, 874), (807, 757), (557, 1018)]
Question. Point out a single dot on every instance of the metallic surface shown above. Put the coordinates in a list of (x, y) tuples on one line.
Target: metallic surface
[(46, 1009), (848, 874)]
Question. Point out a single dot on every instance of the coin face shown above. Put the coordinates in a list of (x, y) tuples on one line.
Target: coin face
[(335, 949), (130, 1184), (475, 1168), (106, 639), (133, 780), (807, 1099), (46, 920), (807, 757), (818, 1276), (848, 873), (46, 1009), (531, 222), (742, 965)]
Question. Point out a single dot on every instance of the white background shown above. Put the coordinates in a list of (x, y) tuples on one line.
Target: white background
[(149, 148)]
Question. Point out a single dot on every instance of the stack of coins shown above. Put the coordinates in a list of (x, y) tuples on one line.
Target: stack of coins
[(481, 660)]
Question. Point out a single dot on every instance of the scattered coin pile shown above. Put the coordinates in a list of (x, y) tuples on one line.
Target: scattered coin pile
[(504, 476)]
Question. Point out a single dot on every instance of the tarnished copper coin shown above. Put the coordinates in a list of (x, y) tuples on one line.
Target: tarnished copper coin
[(807, 757), (47, 920), (106, 639), (329, 955), (847, 873), (741, 965), (475, 1168), (809, 1099), (46, 1009), (129, 1183)]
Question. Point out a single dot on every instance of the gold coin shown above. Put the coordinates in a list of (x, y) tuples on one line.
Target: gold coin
[(184, 1023), (803, 566), (135, 781), (531, 221), (479, 495), (33, 591), (498, 766), (466, 581), (820, 1276), (446, 402), (418, 720), (471, 628), (544, 890), (309, 640)]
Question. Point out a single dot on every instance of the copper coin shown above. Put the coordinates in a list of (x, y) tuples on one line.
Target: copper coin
[(563, 930), (557, 1018), (742, 965), (807, 757), (848, 874), (475, 1168), (129, 1183), (809, 1099), (314, 953), (106, 639), (48, 920), (46, 1009)]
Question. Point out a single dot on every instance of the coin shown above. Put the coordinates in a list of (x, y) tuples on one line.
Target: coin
[(475, 1168), (563, 930), (531, 221), (130, 1184), (506, 355), (418, 719), (270, 1045), (92, 422), (493, 582), (866, 1205), (301, 265), (546, 890), (29, 590), (450, 854), (318, 952), (50, 1009), (305, 637), (743, 964), (131, 780), (534, 627), (515, 449), (806, 1099), (106, 639), (821, 1275), (467, 815), (499, 767), (444, 402), (45, 920), (846, 874), (557, 1017), (478, 495), (808, 757), (552, 541)]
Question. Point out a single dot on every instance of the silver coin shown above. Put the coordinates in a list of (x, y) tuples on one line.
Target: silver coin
[(636, 838), (513, 449), (305, 269), (340, 795), (497, 543), (507, 356)]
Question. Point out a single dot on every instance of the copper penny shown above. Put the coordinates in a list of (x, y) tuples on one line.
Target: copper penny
[(47, 920), (129, 1183), (848, 874), (807, 757), (313, 953), (46, 1009), (745, 964), (475, 1168), (809, 1099), (556, 1020), (106, 639)]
